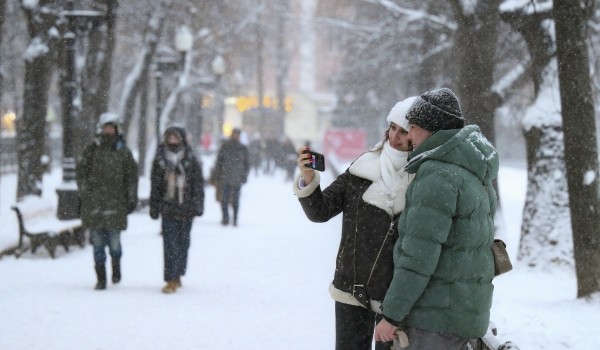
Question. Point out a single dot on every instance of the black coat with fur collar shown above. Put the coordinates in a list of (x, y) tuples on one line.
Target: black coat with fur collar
[(193, 203), (368, 235)]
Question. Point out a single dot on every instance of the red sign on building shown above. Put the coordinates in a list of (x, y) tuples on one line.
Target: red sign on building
[(346, 144)]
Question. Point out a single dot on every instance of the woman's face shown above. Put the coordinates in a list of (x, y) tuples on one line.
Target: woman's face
[(172, 140), (398, 138)]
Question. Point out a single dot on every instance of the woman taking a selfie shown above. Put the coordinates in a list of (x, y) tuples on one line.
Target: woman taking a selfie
[(370, 194)]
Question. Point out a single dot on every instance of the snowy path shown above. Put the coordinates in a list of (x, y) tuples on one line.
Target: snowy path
[(256, 286), (262, 285)]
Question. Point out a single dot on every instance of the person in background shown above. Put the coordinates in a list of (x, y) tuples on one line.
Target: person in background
[(107, 178), (176, 194), (288, 158), (231, 171), (370, 195), (441, 292), (255, 151)]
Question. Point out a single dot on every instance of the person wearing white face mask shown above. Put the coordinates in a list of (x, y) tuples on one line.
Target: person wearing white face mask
[(370, 194)]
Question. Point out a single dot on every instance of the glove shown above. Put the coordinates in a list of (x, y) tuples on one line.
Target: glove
[(401, 340), (154, 213)]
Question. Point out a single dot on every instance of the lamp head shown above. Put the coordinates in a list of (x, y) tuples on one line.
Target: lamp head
[(183, 39), (218, 65)]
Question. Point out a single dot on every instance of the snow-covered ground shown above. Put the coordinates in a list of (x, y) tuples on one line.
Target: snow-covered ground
[(262, 285)]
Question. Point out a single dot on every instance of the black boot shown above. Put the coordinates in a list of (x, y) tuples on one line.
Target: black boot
[(116, 270), (101, 273)]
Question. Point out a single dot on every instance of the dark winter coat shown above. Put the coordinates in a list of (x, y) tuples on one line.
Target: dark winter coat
[(193, 195), (107, 177), (233, 163), (368, 235), (443, 260)]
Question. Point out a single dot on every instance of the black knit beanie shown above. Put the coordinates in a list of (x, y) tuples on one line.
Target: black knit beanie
[(436, 110)]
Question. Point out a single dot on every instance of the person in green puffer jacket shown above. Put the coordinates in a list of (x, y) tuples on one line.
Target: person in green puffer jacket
[(441, 291), (107, 179)]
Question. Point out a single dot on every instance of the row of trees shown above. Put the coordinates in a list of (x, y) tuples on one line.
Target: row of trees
[(115, 65)]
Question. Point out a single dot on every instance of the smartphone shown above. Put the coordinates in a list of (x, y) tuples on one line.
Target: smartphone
[(317, 161)]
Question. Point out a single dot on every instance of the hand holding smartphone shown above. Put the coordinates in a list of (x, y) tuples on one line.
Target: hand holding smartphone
[(317, 160)]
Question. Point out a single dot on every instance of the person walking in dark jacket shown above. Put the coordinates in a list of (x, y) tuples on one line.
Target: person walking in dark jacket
[(176, 193), (441, 292), (107, 178), (232, 167), (370, 195)]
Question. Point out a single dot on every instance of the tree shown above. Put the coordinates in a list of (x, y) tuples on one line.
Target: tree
[(95, 75), (2, 17), (475, 48), (571, 17), (39, 59), (386, 51), (544, 238), (545, 233)]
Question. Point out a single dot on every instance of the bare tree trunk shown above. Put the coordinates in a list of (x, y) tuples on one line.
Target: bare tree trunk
[(96, 76), (475, 50), (580, 139), (141, 69), (143, 126), (428, 67), (546, 204), (282, 61), (538, 38), (105, 76), (2, 17), (546, 207), (31, 135)]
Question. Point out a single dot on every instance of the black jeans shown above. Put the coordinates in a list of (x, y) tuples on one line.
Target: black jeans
[(231, 195), (354, 327)]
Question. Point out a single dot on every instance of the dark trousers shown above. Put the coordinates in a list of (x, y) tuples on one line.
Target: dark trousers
[(231, 195), (419, 339), (354, 327), (176, 243)]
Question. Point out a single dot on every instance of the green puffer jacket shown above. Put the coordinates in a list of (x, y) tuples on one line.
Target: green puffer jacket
[(443, 264), (108, 182)]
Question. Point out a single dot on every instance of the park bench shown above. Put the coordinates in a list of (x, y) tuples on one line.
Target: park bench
[(41, 229)]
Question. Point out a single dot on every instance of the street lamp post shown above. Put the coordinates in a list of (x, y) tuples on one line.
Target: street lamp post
[(219, 67), (183, 43), (163, 65), (68, 200)]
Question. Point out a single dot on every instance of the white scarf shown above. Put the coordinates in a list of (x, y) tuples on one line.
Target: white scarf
[(175, 179), (385, 168), (391, 162)]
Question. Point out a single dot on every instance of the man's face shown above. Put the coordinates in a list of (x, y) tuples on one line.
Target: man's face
[(108, 129), (417, 135), (398, 138)]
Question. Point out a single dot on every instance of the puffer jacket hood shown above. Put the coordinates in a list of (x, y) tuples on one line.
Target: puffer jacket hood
[(447, 146)]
